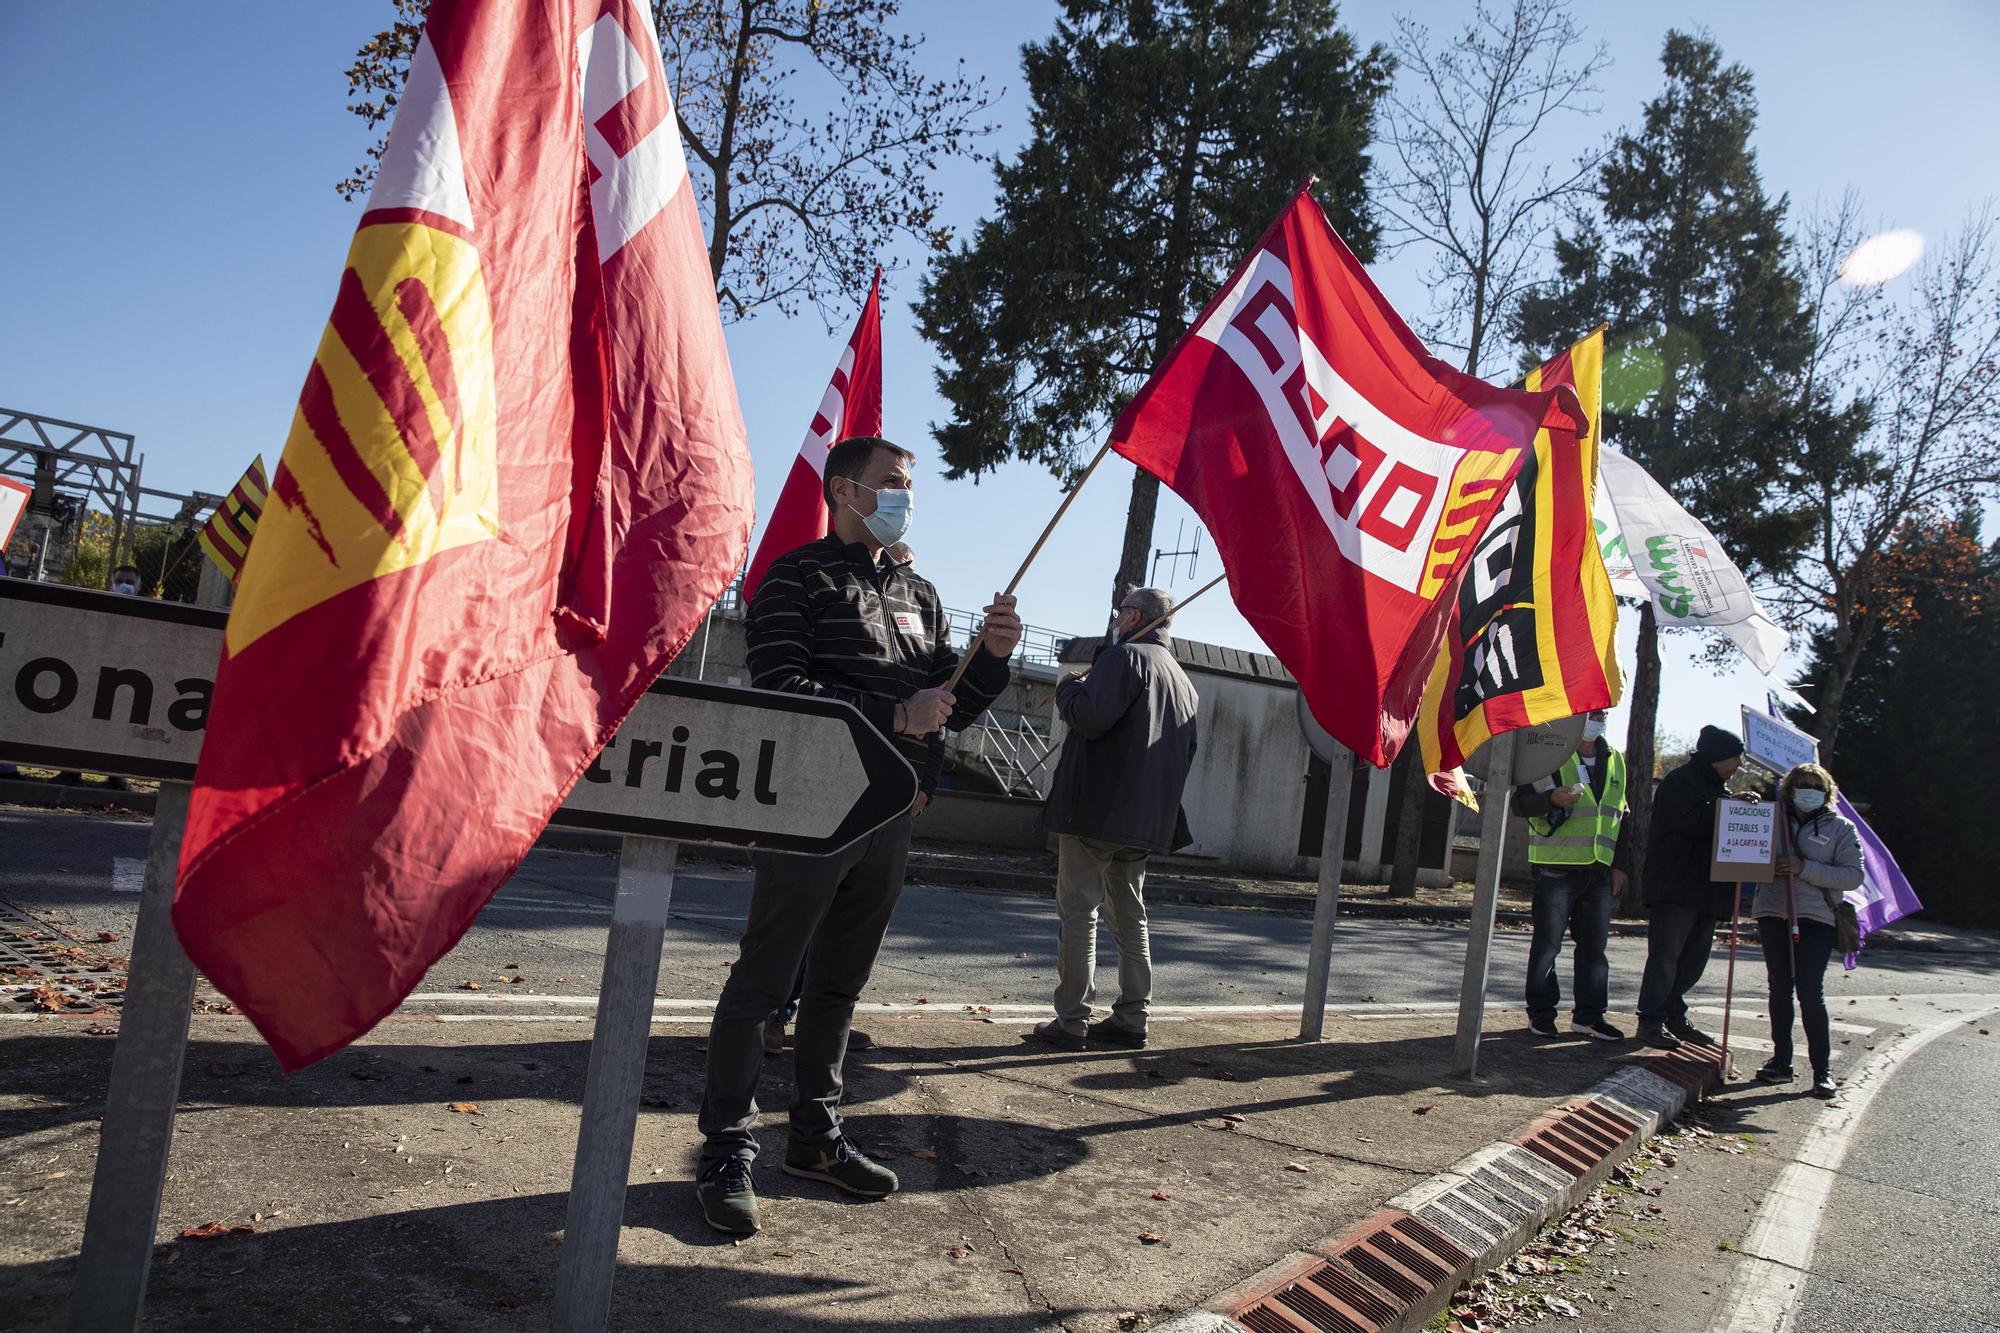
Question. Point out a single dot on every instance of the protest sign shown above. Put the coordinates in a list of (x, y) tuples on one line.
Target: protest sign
[(1776, 744), (1745, 849)]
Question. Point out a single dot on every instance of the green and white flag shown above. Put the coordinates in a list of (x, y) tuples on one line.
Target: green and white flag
[(1655, 550)]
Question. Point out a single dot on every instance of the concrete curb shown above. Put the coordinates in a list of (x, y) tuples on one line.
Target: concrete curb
[(1397, 1268)]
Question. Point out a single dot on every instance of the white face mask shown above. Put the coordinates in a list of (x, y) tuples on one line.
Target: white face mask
[(1593, 728), (894, 510), (1809, 799), (126, 589)]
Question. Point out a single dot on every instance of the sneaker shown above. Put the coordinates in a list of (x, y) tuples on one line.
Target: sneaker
[(1824, 1088), (1775, 1073), (1689, 1033), (1656, 1036), (857, 1040), (838, 1162), (1543, 1027), (1051, 1033), (1113, 1033), (727, 1199), (774, 1034), (1598, 1031)]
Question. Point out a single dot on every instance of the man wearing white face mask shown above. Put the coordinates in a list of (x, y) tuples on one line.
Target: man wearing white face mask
[(845, 619), (1576, 848)]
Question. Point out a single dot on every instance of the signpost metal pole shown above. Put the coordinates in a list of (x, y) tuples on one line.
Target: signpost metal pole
[(1485, 902), (145, 1082), (1326, 908), (611, 1088)]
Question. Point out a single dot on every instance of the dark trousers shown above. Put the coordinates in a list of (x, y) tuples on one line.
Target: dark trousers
[(831, 912), (1576, 899), (1678, 940), (1814, 948)]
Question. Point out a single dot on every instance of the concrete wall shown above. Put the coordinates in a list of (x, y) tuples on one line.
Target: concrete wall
[(976, 819)]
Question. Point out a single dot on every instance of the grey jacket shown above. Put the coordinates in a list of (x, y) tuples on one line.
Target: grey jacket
[(1131, 743), (1830, 863)]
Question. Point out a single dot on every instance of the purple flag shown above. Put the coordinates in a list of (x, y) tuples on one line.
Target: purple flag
[(1884, 895)]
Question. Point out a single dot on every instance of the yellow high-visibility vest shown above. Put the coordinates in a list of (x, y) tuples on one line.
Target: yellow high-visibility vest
[(1590, 835)]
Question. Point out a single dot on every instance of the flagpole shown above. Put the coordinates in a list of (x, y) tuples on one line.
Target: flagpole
[(965, 659)]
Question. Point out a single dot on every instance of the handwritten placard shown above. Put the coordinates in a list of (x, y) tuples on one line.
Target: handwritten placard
[(1746, 842), (1776, 744)]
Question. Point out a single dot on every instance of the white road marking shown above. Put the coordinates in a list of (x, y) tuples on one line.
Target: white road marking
[(1778, 1251), (128, 874)]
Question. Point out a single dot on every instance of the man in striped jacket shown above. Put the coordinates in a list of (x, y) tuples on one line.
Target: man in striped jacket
[(841, 618)]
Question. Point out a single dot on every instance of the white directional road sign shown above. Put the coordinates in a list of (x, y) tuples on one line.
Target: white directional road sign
[(92, 680)]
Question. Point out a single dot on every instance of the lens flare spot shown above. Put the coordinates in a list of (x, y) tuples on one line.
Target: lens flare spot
[(1881, 257)]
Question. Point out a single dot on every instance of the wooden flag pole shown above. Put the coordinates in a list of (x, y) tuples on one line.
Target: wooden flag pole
[(965, 659)]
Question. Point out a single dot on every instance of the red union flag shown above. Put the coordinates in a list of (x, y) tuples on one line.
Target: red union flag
[(851, 406), (515, 481), (1345, 472)]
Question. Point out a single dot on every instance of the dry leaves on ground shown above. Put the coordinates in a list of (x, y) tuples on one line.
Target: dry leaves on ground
[(465, 1108), (1150, 1238), (217, 1230)]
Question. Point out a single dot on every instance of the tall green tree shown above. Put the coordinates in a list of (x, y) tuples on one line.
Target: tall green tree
[(1919, 722), (1166, 135), (1686, 256)]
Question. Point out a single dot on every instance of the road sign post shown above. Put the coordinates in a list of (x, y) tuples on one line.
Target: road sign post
[(1332, 854), (121, 685), (612, 1086), (139, 1108), (1493, 809)]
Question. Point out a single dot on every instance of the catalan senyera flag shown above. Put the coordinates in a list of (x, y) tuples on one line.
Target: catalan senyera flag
[(1345, 472), (516, 480), (225, 538), (850, 407), (1533, 629)]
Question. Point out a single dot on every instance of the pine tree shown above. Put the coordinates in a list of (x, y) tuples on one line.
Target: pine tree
[(1918, 726), (1687, 258), (1167, 135)]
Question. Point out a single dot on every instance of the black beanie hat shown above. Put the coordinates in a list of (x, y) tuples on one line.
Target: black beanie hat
[(1716, 745)]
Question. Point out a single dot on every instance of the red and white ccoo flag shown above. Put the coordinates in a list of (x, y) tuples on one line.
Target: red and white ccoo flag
[(1346, 473), (852, 406)]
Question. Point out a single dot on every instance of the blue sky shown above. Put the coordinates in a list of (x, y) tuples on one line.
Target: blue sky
[(173, 238)]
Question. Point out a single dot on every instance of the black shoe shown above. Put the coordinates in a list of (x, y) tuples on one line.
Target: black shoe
[(838, 1162), (1656, 1036), (1598, 1031), (1543, 1027), (1824, 1088), (1110, 1032), (1051, 1034), (1775, 1073), (857, 1040), (1689, 1033), (774, 1034), (727, 1199)]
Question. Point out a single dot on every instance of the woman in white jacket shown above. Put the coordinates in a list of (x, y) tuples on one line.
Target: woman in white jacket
[(1825, 862)]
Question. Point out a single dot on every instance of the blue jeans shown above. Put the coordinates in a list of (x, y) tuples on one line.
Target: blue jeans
[(1576, 899), (1808, 978), (1678, 942)]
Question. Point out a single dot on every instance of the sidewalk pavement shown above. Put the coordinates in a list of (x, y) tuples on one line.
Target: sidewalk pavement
[(418, 1179)]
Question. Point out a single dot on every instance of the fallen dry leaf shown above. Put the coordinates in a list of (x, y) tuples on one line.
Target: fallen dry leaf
[(217, 1230), (1150, 1238), (1232, 1117), (781, 1254), (510, 967), (464, 1108), (470, 985), (1300, 1167), (1420, 1110), (1162, 1197), (105, 937), (924, 1153), (960, 1251)]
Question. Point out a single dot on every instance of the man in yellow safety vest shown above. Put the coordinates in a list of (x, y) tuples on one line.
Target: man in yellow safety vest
[(1576, 849)]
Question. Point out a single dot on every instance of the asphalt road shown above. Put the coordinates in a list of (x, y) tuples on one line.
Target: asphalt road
[(1899, 1235)]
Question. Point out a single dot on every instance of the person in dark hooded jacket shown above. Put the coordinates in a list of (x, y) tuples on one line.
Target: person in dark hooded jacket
[(1115, 801), (1683, 903)]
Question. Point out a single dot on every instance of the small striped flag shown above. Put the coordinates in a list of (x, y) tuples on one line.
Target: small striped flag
[(226, 536)]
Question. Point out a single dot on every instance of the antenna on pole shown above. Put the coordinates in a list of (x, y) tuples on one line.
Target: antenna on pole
[(1193, 554)]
